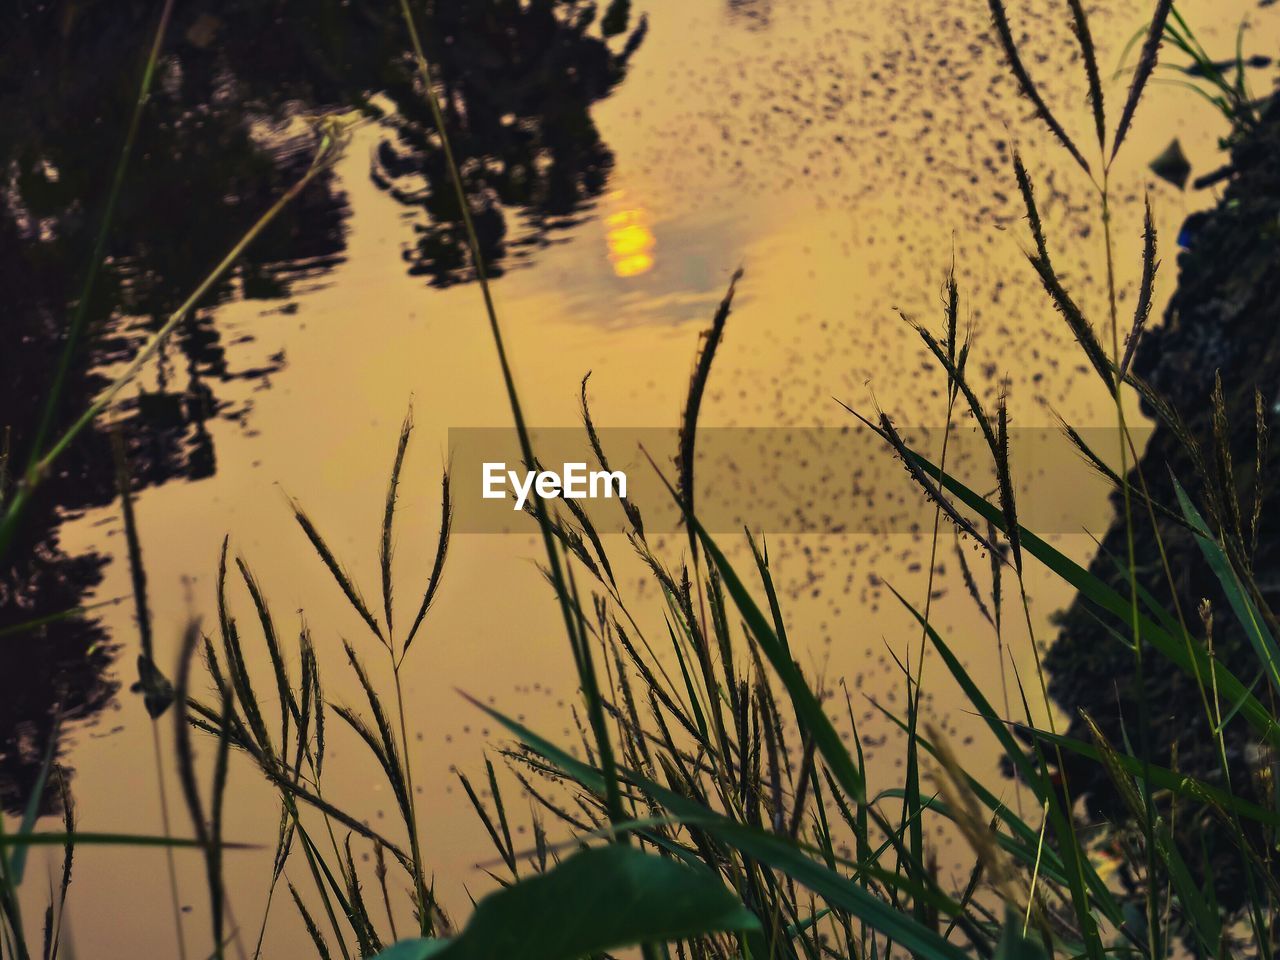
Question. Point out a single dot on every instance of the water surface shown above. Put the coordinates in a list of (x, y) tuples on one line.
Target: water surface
[(843, 154)]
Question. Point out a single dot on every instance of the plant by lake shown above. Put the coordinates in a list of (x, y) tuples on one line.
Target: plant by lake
[(714, 810)]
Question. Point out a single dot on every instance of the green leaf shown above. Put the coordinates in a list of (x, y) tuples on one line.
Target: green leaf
[(777, 852), (600, 899), (808, 709), (18, 862), (835, 889), (1241, 603), (1197, 791), (1076, 867), (1188, 656)]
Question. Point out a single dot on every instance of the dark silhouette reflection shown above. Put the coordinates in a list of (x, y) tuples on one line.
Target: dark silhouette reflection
[(515, 82), (1221, 327), (222, 135), (204, 169)]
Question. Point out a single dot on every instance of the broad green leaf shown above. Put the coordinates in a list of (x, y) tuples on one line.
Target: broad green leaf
[(600, 899), (1205, 924)]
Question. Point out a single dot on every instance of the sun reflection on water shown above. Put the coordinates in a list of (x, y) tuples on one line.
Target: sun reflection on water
[(630, 241)]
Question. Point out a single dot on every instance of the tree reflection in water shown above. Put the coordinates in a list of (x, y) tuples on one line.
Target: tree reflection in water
[(221, 136)]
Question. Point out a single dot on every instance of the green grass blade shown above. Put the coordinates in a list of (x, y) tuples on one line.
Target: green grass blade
[(18, 862), (777, 852), (1104, 597), (1075, 863), (1242, 604), (808, 709), (1165, 779)]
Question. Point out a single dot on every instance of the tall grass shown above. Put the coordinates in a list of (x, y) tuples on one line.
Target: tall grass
[(709, 814), (15, 939)]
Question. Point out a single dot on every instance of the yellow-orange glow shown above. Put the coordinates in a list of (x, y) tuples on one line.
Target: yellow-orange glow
[(630, 242), (633, 265)]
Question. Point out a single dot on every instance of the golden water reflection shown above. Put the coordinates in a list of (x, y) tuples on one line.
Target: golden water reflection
[(836, 230), (630, 241)]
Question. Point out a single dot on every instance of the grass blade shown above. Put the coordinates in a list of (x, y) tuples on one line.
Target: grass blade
[(1242, 604)]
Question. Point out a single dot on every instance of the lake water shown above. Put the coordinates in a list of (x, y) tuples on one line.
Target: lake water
[(842, 154)]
